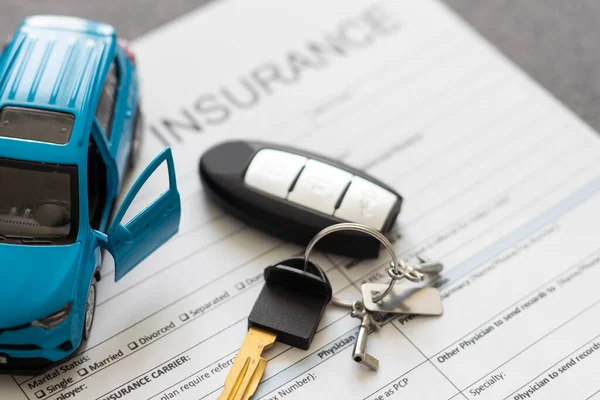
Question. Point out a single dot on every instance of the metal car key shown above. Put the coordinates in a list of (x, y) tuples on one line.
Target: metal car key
[(288, 310), (294, 194)]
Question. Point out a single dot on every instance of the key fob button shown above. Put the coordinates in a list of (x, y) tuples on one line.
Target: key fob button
[(366, 203), (273, 171), (319, 186)]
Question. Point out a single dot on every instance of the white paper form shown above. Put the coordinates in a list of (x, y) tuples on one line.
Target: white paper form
[(500, 182)]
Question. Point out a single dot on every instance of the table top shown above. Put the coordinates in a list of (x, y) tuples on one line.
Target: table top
[(554, 41)]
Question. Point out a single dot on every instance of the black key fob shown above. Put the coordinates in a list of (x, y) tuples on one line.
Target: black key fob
[(291, 302), (294, 194)]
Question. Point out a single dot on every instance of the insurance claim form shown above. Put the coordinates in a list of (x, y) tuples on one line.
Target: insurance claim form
[(501, 183)]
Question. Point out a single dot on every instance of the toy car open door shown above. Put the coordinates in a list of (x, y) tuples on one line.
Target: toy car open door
[(132, 242)]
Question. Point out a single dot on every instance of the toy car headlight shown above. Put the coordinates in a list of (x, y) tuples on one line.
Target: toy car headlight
[(53, 319)]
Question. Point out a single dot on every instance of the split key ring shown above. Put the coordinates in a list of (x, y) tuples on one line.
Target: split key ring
[(397, 270)]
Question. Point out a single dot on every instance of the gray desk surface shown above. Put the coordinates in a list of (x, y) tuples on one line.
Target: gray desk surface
[(555, 41)]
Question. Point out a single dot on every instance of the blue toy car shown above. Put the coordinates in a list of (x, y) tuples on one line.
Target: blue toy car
[(70, 125)]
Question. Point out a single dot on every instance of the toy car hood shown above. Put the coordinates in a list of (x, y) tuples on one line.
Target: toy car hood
[(35, 281)]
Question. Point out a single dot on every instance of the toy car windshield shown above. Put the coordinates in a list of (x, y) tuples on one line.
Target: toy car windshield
[(38, 203), (39, 125)]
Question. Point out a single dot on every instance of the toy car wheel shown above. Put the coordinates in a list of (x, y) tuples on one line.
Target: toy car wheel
[(136, 139), (90, 310)]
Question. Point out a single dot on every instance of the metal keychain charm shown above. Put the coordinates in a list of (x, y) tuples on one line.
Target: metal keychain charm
[(403, 299), (368, 324), (384, 298)]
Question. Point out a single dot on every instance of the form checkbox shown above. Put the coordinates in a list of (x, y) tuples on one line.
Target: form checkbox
[(184, 317), (82, 371), (240, 286), (39, 394), (132, 346)]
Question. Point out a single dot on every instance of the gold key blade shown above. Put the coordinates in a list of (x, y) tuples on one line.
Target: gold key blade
[(248, 367)]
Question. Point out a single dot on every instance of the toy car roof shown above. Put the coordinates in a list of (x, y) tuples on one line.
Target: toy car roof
[(56, 63)]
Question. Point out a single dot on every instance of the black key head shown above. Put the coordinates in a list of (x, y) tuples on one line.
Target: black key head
[(292, 302)]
